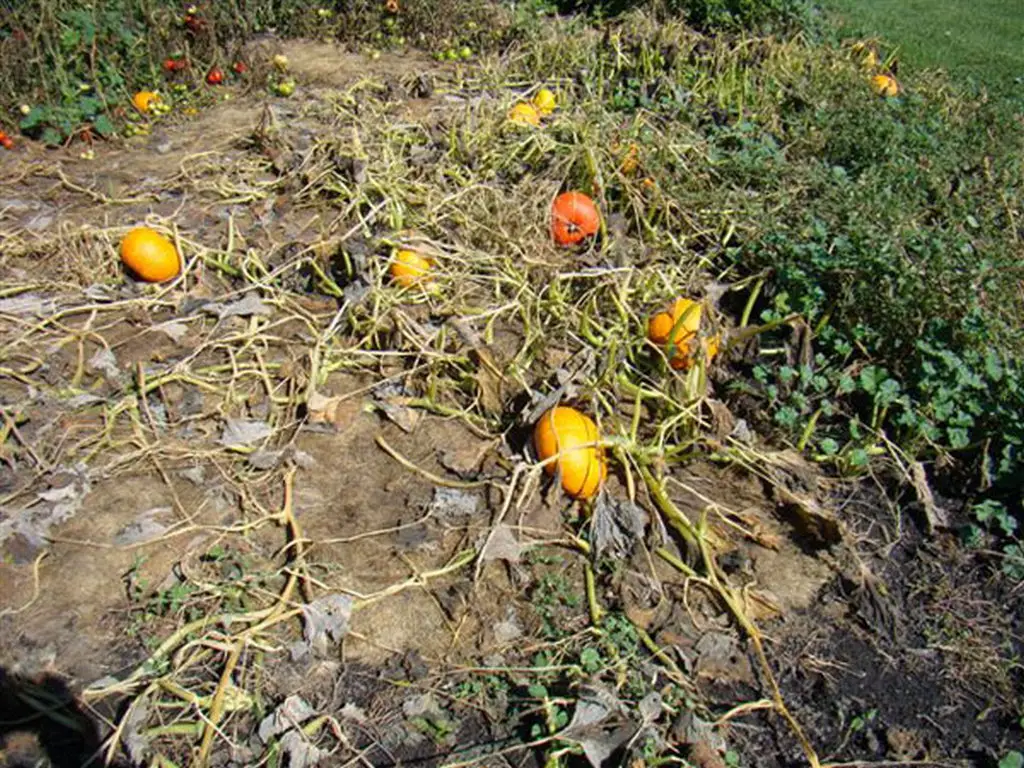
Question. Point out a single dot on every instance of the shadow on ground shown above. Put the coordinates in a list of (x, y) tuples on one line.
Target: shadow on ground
[(40, 718)]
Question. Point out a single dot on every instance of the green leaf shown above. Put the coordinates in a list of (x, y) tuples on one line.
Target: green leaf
[(829, 447), (858, 457), (52, 136), (958, 437), (103, 125), (871, 377), (537, 691), (1012, 759), (33, 119), (888, 391)]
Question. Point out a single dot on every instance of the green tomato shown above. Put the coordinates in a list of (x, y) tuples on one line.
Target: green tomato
[(465, 52), (451, 55), (285, 88)]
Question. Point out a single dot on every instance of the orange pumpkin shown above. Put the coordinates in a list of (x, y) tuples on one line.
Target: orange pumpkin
[(885, 85), (571, 436), (144, 100), (150, 255), (524, 113), (680, 327), (574, 218), (409, 268)]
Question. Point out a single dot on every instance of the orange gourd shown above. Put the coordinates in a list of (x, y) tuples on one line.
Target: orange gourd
[(409, 268), (885, 85), (524, 113), (574, 218), (144, 100), (571, 436), (150, 255), (680, 327)]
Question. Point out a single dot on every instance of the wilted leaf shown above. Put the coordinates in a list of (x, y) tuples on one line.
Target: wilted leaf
[(134, 740), (264, 459), (175, 329), (195, 475), (356, 714), (242, 432), (502, 545), (83, 400), (723, 422), (299, 753), (599, 726), (28, 304), (720, 658), (422, 705), (935, 516), (453, 503), (330, 410), (508, 630), (650, 707), (143, 528), (400, 414), (325, 620), (100, 293), (616, 526), (248, 305), (290, 713), (105, 362)]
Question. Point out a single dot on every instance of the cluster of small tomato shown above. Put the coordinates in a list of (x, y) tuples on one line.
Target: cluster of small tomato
[(214, 76)]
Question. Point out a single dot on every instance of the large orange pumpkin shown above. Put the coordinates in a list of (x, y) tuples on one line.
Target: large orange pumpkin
[(680, 326), (571, 436), (150, 255), (574, 218)]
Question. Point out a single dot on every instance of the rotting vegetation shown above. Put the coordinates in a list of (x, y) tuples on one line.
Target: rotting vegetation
[(296, 500)]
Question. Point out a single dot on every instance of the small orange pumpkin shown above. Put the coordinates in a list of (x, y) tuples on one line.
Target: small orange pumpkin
[(409, 268), (150, 255), (680, 326), (524, 113), (571, 436), (885, 85), (574, 218), (144, 100)]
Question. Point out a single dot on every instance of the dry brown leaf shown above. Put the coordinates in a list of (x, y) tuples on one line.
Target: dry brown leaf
[(934, 515), (722, 420), (338, 411)]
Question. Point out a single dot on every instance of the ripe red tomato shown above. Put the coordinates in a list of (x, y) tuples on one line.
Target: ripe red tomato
[(170, 65), (240, 67), (215, 76), (6, 141)]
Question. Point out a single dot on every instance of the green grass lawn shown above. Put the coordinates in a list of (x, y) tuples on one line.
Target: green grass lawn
[(980, 40)]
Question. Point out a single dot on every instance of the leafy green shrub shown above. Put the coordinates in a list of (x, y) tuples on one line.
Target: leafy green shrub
[(901, 251), (738, 15)]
